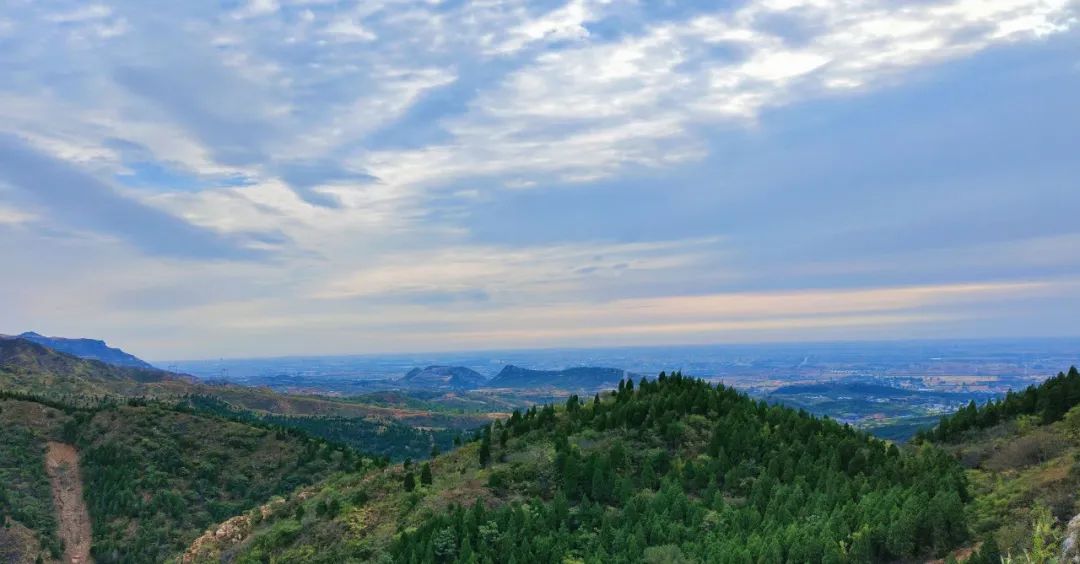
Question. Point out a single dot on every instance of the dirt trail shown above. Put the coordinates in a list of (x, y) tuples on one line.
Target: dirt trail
[(62, 464)]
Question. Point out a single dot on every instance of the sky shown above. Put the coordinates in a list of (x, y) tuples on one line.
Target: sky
[(226, 179)]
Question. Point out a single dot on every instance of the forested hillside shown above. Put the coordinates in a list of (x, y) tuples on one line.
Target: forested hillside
[(30, 368), (1022, 455), (388, 438), (1049, 402), (673, 469), (155, 476), (160, 463), (28, 525)]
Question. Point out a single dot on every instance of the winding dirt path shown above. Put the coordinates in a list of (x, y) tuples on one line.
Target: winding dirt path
[(62, 464)]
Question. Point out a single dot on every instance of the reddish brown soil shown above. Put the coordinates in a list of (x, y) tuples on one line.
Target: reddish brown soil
[(62, 464)]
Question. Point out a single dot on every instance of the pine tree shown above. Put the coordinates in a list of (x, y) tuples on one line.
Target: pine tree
[(425, 474), (410, 482), (485, 448)]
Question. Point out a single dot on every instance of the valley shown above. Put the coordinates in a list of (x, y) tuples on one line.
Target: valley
[(539, 282), (891, 389), (449, 465)]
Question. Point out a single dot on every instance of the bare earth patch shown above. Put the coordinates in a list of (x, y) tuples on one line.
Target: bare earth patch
[(62, 464)]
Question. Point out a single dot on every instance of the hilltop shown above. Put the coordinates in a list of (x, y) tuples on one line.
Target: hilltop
[(675, 470), (27, 366), (443, 377), (92, 349), (578, 378)]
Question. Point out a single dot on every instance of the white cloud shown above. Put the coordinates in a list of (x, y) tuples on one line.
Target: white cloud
[(81, 14), (521, 274), (256, 8), (610, 104), (348, 29), (13, 216), (566, 23)]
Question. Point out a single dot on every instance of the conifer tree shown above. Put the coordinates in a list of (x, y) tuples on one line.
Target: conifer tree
[(425, 474), (485, 448)]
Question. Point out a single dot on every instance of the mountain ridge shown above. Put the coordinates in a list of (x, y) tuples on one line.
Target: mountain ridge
[(91, 349)]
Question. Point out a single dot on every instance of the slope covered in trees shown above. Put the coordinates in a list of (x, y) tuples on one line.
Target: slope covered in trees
[(673, 469), (155, 476), (397, 432), (1049, 402), (396, 441), (1022, 455), (25, 499), (29, 367)]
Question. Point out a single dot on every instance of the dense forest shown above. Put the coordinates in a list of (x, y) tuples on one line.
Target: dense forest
[(24, 486), (155, 475), (1050, 401), (674, 469), (779, 485)]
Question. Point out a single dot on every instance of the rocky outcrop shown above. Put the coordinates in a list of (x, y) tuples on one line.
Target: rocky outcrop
[(234, 531), (1070, 545)]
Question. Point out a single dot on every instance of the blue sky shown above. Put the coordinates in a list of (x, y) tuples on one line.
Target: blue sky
[(201, 179)]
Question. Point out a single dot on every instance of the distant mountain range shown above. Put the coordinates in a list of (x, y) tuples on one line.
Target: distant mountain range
[(87, 348), (29, 367), (582, 377), (444, 377)]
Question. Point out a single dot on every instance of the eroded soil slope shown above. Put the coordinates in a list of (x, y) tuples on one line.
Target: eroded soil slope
[(62, 463)]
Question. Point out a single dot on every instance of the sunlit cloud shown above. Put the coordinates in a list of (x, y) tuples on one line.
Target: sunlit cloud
[(513, 173)]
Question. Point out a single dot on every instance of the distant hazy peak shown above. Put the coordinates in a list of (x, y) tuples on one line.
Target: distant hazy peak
[(587, 377), (94, 349), (439, 376)]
